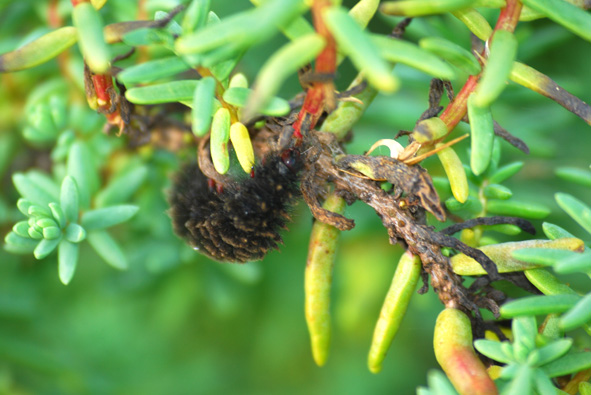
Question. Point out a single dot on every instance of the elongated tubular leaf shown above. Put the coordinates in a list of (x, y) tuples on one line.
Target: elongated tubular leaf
[(568, 364), (452, 342), (501, 254), (45, 247), (573, 174), (195, 15), (578, 315), (543, 256), (202, 109), (552, 351), (282, 64), (241, 29), (33, 191), (538, 305), (399, 51), (108, 249), (521, 383), (554, 231), (67, 260), (363, 11), (498, 67), (540, 83), (162, 93), (475, 22), (91, 38), (242, 146), (275, 106), (575, 263), (297, 28), (576, 209), (80, 166), (394, 308), (412, 8), (571, 17), (493, 349), (455, 173), (360, 48), (152, 70), (39, 51), (505, 172), (69, 200), (220, 134), (106, 217), (497, 191), (318, 280), (18, 244), (482, 128), (451, 52), (518, 209), (547, 283)]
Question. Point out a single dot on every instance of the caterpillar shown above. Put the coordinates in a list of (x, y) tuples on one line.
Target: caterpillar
[(239, 222)]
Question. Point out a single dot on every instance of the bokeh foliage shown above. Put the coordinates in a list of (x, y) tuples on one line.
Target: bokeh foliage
[(176, 322)]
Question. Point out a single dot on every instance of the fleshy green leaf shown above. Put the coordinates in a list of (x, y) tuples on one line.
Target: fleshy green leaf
[(92, 43), (75, 233), (497, 191), (576, 209), (498, 67), (106, 217), (522, 383), (167, 92), (439, 383), (35, 187), (542, 256), (482, 128), (152, 71), (202, 110), (67, 260), (69, 197), (570, 363), (39, 51), (537, 305), (58, 214), (575, 263), (358, 46), (573, 174), (505, 172), (493, 350), (80, 167), (411, 8), (518, 209), (45, 247), (552, 351), (578, 315), (399, 51), (18, 244), (195, 15), (554, 231), (220, 134), (543, 384), (108, 249), (571, 17)]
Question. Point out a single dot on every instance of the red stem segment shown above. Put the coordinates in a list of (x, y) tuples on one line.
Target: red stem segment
[(456, 110), (325, 64)]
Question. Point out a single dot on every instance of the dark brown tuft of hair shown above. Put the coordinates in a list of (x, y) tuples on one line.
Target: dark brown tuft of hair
[(241, 222)]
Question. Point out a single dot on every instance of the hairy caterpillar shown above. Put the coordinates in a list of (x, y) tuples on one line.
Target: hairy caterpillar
[(240, 222)]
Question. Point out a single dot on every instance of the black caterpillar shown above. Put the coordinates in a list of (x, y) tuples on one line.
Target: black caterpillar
[(240, 223)]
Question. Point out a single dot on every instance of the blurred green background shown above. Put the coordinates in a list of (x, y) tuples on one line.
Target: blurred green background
[(178, 323)]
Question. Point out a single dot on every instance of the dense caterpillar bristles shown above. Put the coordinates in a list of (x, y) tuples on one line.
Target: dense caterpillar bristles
[(241, 223)]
